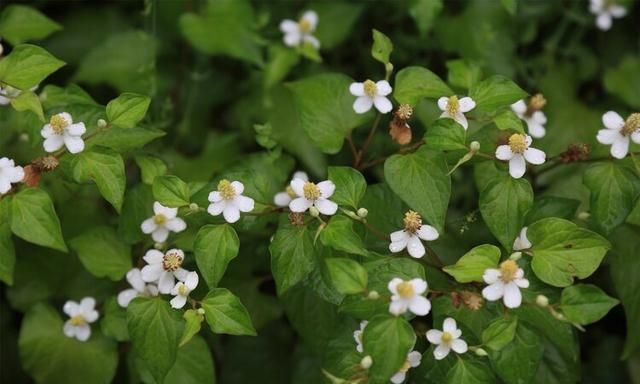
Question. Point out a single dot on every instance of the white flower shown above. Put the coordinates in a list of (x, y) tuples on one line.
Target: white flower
[(413, 360), (408, 295), (370, 94), (163, 267), (357, 335), (139, 288), (9, 173), (447, 339), (521, 242), (81, 315), (297, 33), (452, 108), (618, 132), (61, 131), (229, 201), (313, 195), (410, 236), (535, 119), (163, 221), (182, 290), (282, 199), (505, 283), (8, 92), (518, 152), (605, 11)]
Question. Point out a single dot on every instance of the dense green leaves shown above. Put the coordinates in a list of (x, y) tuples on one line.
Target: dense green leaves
[(28, 101), (585, 303), (34, 219), (150, 167), (562, 250), (127, 110), (517, 361), (388, 340), (226, 314), (500, 333), (19, 23), (215, 246), (293, 256), (350, 186), (339, 234), (27, 65), (193, 322), (7, 250), (124, 140), (624, 80), (347, 275), (507, 120), (445, 135), (420, 179), (171, 191), (463, 74), (102, 253), (415, 83), (471, 266), (382, 47), (495, 92), (470, 372)]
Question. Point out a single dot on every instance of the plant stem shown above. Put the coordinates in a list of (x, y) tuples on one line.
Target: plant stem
[(368, 141)]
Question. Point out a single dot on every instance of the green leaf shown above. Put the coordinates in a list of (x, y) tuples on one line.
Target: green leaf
[(124, 140), (155, 329), (471, 266), (102, 253), (383, 270), (614, 190), (562, 250), (552, 206), (127, 110), (114, 321), (350, 186), (339, 234), (336, 21), (495, 92), (624, 81), (214, 247), (27, 65), (171, 191), (347, 275), (19, 23), (325, 107), (103, 166), (507, 120), (382, 47), (517, 361), (585, 303), (463, 74), (137, 207), (226, 314), (420, 179), (150, 167), (445, 135), (500, 333), (470, 372), (51, 357), (388, 340), (194, 364), (415, 83), (510, 6), (424, 13), (281, 61), (34, 219), (193, 322), (224, 27), (504, 201), (293, 256), (28, 101), (7, 250)]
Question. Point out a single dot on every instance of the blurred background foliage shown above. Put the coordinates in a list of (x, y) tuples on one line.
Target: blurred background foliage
[(215, 69)]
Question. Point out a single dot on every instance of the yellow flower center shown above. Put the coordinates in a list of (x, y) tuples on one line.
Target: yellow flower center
[(171, 261), (632, 124), (412, 221), (182, 290), (160, 219), (304, 25), (518, 143), (290, 192), (226, 189), (405, 290), (77, 320), (537, 102), (311, 191), (405, 367), (370, 88), (508, 270), (453, 105), (58, 124), (447, 337)]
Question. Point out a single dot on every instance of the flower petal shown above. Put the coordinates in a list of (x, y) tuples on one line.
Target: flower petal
[(434, 336), (462, 120), (153, 256), (299, 204), (536, 130), (522, 242), (443, 102), (134, 278), (467, 104), (166, 282), (517, 166), (312, 18), (77, 129), (160, 234), (326, 207), (383, 87), (398, 246), (71, 308), (231, 213), (176, 224), (427, 232), (441, 351), (356, 89), (414, 358), (244, 203), (503, 152), (191, 281), (362, 104), (519, 107), (398, 377), (292, 39), (493, 291), (74, 144), (400, 235), (282, 199), (449, 325), (415, 247), (151, 273), (83, 332), (491, 275), (612, 120), (148, 226), (420, 305), (298, 186), (535, 156), (512, 296), (603, 21), (327, 188), (398, 307), (178, 301), (419, 286), (620, 147), (215, 197), (393, 283), (53, 143), (288, 26), (215, 209), (459, 346)]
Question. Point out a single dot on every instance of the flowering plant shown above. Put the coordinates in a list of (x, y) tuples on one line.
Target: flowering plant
[(346, 192)]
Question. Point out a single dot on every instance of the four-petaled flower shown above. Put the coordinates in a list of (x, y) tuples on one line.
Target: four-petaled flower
[(413, 360), (282, 199), (297, 33), (10, 173), (163, 268), (605, 11), (408, 295), (357, 335), (521, 242), (446, 340), (81, 315), (618, 132), (518, 152), (532, 115), (229, 201), (163, 221), (61, 131), (452, 108), (313, 195), (410, 237), (371, 93), (505, 283), (138, 288), (182, 290)]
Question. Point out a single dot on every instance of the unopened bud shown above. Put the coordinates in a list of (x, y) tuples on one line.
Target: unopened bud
[(363, 212), (373, 295), (515, 256), (351, 214), (584, 216), (558, 316), (313, 211), (388, 67), (194, 207), (366, 362), (102, 123), (200, 311), (542, 301), (481, 352), (23, 137), (158, 245), (474, 146)]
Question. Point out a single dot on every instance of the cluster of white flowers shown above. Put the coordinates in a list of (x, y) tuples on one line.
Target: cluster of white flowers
[(410, 237), (62, 131), (518, 152), (413, 360), (619, 133), (605, 11), (532, 115), (138, 288), (282, 199), (300, 32), (452, 108), (80, 316), (163, 221), (10, 173), (229, 201)]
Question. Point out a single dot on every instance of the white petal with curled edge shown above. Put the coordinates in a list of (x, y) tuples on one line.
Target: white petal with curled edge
[(461, 119), (519, 107), (125, 297), (178, 302)]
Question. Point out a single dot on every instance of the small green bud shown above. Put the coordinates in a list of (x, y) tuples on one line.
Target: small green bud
[(366, 362), (542, 301), (158, 245), (584, 216), (481, 352), (194, 207), (474, 146), (102, 123), (313, 211), (200, 311), (388, 67), (515, 256), (363, 212), (373, 295)]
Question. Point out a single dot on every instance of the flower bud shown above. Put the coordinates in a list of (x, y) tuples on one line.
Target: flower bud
[(542, 301), (158, 245), (193, 207), (558, 316), (515, 256), (373, 295), (388, 67), (481, 352), (200, 311), (584, 216), (102, 123), (363, 212), (366, 362), (313, 211), (474, 146)]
